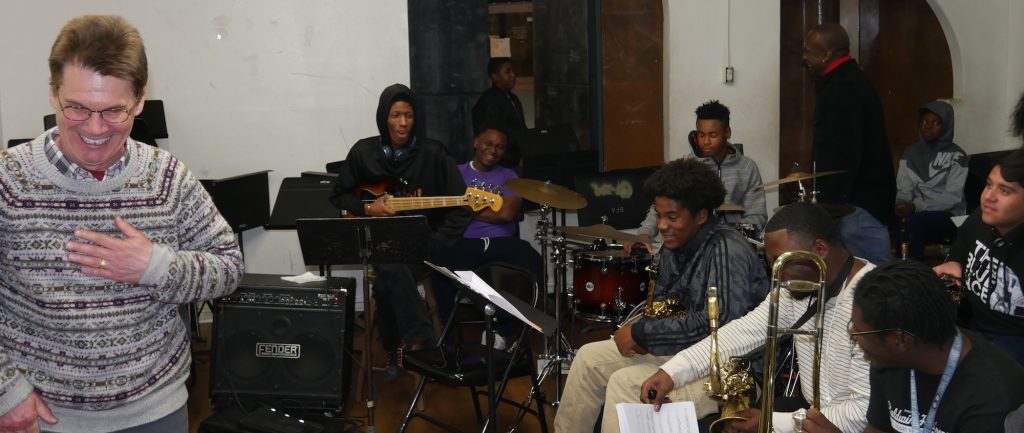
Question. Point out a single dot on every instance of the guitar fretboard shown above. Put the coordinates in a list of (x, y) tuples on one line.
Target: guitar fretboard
[(412, 203)]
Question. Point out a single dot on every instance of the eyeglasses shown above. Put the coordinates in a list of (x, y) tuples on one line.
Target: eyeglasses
[(852, 333), (111, 115)]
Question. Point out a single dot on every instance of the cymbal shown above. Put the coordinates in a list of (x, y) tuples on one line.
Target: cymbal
[(599, 231), (729, 207), (834, 210), (798, 176), (547, 193)]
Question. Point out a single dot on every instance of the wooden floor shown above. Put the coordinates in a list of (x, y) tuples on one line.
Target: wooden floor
[(452, 405)]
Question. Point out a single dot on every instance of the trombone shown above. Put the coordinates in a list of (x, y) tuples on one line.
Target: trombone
[(771, 343)]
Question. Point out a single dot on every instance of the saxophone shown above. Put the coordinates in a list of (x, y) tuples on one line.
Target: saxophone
[(661, 309), (729, 383)]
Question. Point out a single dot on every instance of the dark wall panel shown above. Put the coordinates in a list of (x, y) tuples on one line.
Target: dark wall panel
[(448, 52), (562, 80)]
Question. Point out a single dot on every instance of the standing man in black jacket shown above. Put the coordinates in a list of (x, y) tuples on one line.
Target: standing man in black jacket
[(413, 166), (498, 106), (849, 134)]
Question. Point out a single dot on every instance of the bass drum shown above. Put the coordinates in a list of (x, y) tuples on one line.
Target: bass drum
[(607, 285)]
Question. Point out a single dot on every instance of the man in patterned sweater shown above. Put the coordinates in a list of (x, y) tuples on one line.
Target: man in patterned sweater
[(102, 238), (844, 372)]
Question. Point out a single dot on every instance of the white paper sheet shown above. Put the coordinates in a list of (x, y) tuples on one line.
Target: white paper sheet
[(475, 283), (676, 417), (501, 47)]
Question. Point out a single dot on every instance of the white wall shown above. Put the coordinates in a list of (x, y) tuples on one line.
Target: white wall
[(986, 43), (247, 86), (291, 85), (697, 33)]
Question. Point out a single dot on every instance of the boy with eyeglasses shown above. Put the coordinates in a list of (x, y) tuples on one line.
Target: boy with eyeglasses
[(926, 373)]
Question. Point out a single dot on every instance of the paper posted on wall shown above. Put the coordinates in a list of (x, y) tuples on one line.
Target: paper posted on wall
[(676, 417)]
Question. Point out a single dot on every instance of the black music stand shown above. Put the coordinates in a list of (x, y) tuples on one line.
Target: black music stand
[(492, 300), (302, 197), (367, 241), (243, 200)]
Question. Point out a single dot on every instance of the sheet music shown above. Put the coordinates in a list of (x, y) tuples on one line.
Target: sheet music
[(473, 281), (677, 417)]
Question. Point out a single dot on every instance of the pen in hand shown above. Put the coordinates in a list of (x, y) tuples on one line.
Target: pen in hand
[(652, 396)]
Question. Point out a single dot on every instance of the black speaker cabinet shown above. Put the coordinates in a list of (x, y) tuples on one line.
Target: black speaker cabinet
[(283, 343)]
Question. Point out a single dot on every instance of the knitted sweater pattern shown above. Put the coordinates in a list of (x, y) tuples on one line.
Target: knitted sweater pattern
[(88, 343)]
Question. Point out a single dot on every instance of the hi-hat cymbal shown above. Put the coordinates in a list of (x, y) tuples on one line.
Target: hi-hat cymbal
[(599, 231), (834, 210), (798, 176), (547, 193), (729, 207)]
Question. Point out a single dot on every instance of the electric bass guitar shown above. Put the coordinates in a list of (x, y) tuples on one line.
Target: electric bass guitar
[(477, 199)]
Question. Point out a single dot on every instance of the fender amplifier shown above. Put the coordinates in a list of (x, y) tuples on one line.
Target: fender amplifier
[(283, 344)]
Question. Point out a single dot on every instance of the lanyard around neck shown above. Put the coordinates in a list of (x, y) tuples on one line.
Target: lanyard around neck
[(929, 421)]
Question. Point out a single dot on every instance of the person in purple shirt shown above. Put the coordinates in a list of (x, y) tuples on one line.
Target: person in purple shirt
[(491, 236)]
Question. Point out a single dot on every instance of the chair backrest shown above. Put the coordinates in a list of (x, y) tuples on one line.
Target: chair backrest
[(512, 279)]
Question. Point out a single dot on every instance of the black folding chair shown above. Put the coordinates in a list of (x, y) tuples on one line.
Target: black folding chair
[(463, 364)]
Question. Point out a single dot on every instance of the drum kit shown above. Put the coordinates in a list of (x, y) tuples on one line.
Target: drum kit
[(835, 210), (608, 284)]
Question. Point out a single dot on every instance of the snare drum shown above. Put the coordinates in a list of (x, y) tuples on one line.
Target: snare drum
[(608, 284)]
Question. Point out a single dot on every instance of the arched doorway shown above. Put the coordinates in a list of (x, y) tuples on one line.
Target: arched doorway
[(899, 44)]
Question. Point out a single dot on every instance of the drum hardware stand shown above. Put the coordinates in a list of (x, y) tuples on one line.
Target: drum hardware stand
[(543, 228), (563, 348), (814, 183)]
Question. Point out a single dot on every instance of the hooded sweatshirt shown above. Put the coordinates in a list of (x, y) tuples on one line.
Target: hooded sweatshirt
[(420, 168), (932, 175), (740, 176)]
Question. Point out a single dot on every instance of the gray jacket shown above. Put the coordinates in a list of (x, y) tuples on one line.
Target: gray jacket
[(719, 256), (740, 176), (932, 175)]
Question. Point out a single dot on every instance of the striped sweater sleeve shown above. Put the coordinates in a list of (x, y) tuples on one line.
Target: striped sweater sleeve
[(207, 262)]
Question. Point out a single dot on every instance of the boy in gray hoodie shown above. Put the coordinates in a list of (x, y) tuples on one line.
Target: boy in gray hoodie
[(930, 180)]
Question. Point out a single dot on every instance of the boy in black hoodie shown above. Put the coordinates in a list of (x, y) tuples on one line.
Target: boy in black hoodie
[(420, 167)]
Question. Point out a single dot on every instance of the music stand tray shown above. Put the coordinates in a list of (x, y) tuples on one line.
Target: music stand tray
[(340, 241)]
